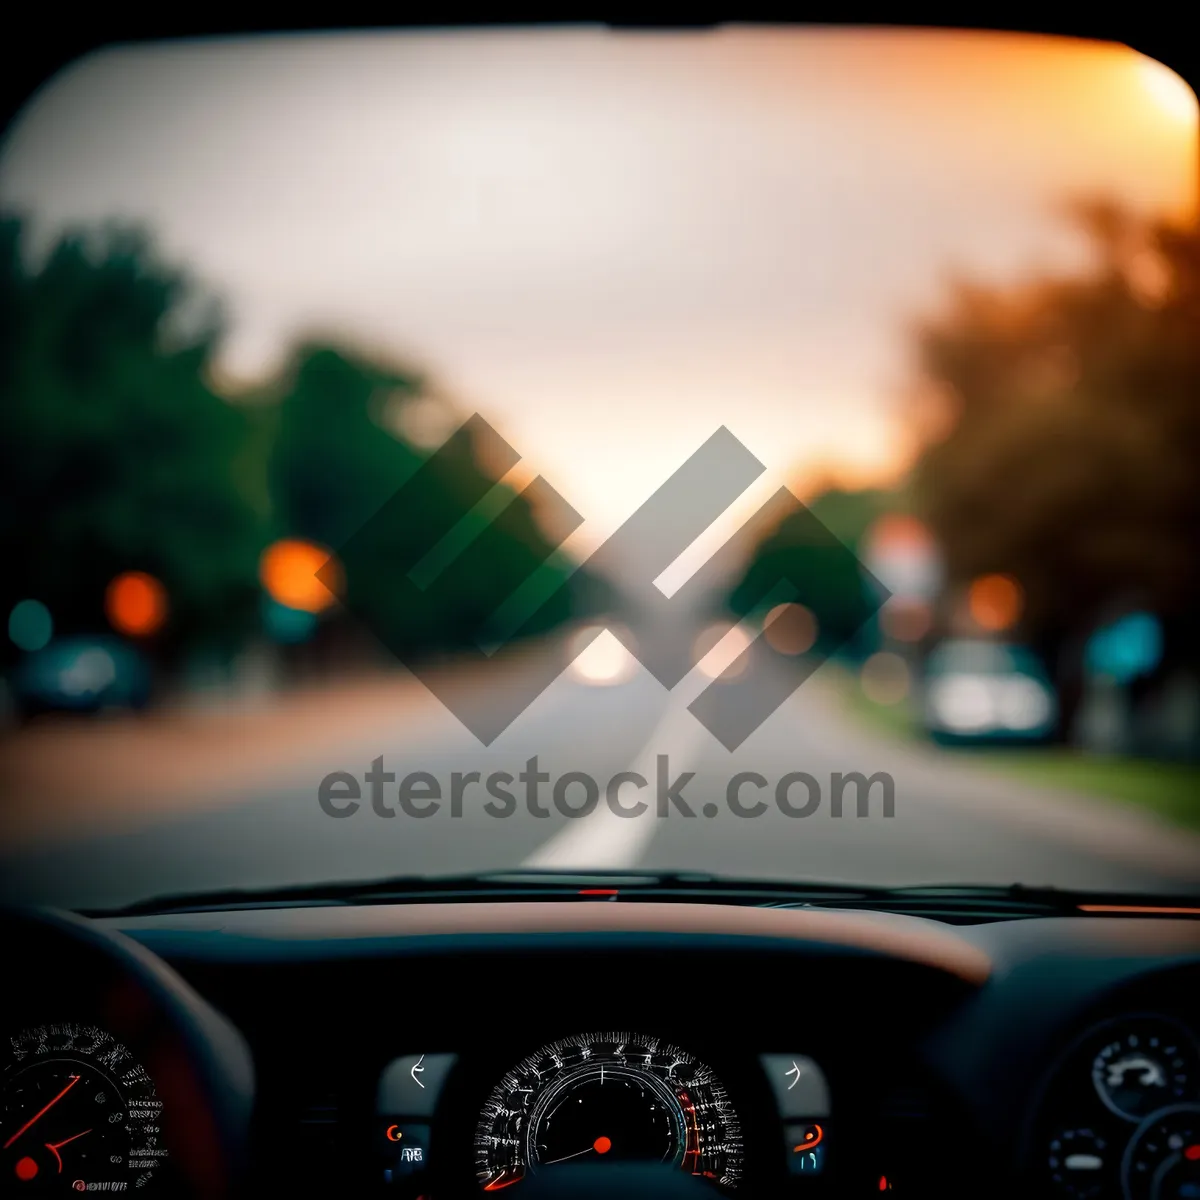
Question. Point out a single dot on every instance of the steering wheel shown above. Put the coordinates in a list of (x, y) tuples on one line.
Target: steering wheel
[(63, 968)]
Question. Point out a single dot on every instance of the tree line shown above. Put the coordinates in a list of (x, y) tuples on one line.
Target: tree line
[(1060, 427), (119, 452)]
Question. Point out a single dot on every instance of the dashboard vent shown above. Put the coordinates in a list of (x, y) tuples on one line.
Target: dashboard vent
[(319, 1127), (320, 1118)]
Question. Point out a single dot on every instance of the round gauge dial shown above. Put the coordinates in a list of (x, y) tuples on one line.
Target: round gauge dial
[(1078, 1161), (79, 1114), (1149, 1063), (1162, 1160), (606, 1097)]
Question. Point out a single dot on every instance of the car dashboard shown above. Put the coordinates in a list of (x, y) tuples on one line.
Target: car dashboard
[(450, 1050)]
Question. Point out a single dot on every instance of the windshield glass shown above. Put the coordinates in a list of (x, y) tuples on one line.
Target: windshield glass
[(767, 452)]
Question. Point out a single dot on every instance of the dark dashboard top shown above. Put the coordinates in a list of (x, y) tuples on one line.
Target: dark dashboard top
[(1047, 964), (1012, 1042), (958, 1026)]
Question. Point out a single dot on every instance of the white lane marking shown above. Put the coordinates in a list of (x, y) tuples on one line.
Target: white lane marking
[(605, 839)]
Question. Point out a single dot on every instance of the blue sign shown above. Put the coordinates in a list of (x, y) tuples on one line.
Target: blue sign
[(1127, 648)]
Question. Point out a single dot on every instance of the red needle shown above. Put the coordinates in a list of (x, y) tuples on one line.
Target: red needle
[(39, 1115), (54, 1149), (601, 1145)]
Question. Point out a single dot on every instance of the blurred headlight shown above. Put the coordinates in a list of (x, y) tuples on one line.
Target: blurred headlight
[(89, 674), (603, 661), (1023, 704), (964, 703)]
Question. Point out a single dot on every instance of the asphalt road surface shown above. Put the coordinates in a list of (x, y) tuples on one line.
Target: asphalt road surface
[(950, 822)]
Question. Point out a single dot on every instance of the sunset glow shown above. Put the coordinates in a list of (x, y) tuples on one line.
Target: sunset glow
[(611, 244), (1169, 92)]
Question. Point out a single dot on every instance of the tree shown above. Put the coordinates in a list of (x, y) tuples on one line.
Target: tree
[(849, 514), (115, 454), (816, 548), (1072, 437), (340, 455)]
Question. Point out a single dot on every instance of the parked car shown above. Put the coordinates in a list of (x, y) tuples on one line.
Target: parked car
[(982, 691), (84, 674)]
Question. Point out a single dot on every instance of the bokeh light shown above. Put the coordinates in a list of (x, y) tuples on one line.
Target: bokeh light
[(30, 625), (1125, 649), (1023, 704), (288, 571), (790, 629), (1149, 277), (1170, 92), (906, 620), (89, 673), (885, 678), (136, 604), (424, 421), (717, 649), (603, 660), (902, 554), (995, 602), (964, 703)]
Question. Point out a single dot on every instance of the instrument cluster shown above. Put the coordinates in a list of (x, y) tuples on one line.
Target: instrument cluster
[(1120, 1119), (600, 1097)]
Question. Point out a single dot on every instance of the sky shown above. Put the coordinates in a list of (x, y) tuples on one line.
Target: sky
[(611, 244)]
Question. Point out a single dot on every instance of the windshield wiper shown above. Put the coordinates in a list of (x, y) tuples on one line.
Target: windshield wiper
[(941, 901)]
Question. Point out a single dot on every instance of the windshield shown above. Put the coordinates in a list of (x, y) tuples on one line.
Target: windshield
[(765, 452)]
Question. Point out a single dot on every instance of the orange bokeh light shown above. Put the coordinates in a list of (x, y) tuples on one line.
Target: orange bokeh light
[(898, 529), (136, 604), (995, 602), (288, 570), (790, 629), (906, 620)]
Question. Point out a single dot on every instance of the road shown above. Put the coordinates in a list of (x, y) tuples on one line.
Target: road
[(951, 823)]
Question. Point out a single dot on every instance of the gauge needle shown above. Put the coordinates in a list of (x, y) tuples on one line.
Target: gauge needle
[(601, 1145), (497, 1184), (37, 1116), (65, 1142)]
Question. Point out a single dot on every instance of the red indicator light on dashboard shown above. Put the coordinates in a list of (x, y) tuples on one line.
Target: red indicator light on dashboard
[(884, 1184), (812, 1137), (1192, 1153)]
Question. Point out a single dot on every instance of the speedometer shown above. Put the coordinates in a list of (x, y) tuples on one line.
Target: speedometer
[(79, 1114), (604, 1097)]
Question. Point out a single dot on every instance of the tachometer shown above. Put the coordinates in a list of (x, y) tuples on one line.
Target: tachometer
[(79, 1114), (603, 1097), (1151, 1062)]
